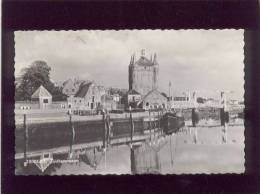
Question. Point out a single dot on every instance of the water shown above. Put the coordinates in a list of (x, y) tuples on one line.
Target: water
[(177, 154)]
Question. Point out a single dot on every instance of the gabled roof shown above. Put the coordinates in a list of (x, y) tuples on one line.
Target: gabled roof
[(143, 61), (133, 92), (74, 83), (41, 92), (153, 91), (165, 95), (83, 90)]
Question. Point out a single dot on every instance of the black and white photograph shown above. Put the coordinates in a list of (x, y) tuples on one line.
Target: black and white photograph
[(102, 102)]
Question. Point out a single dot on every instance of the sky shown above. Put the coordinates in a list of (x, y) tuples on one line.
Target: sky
[(206, 61)]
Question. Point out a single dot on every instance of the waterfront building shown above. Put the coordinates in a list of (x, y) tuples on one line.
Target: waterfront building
[(143, 83), (108, 102), (154, 100), (43, 97), (88, 97), (133, 98), (71, 87)]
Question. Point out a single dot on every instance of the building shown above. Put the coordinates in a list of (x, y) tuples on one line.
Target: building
[(183, 100), (88, 97), (108, 102), (143, 74), (43, 97), (154, 100), (71, 87), (143, 83), (133, 98)]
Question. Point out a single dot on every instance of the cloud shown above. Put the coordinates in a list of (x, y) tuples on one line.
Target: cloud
[(190, 59)]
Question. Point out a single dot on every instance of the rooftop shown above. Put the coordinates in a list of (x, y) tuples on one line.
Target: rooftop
[(41, 92), (83, 90), (143, 61), (133, 92)]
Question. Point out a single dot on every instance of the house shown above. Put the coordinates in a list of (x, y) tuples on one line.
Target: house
[(43, 97), (133, 98), (116, 97), (71, 87), (88, 97), (154, 100), (108, 103), (183, 100)]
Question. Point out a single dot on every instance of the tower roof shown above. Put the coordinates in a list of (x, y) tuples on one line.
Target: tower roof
[(41, 92), (143, 61), (133, 92)]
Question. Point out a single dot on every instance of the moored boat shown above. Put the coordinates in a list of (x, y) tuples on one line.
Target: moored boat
[(171, 123)]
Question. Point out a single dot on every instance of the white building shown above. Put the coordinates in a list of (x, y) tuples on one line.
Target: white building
[(43, 96)]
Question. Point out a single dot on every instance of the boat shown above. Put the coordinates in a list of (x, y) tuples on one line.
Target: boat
[(171, 123)]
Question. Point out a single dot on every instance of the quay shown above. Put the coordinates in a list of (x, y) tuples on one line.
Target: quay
[(78, 147)]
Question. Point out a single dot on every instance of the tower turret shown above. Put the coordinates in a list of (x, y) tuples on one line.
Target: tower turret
[(133, 58), (155, 58), (155, 72)]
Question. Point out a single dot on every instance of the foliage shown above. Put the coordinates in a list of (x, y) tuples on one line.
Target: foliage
[(119, 91), (37, 74), (201, 100)]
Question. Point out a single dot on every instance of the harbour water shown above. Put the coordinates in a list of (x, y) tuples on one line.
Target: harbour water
[(174, 154)]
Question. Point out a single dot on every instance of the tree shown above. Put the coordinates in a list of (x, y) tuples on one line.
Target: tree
[(37, 74), (201, 100)]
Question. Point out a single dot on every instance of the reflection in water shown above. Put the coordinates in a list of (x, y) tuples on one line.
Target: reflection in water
[(92, 157), (145, 157), (176, 154)]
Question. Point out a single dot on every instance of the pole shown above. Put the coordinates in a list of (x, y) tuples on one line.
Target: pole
[(105, 158), (195, 136), (104, 129), (161, 116), (171, 149), (159, 125), (132, 159), (25, 139), (132, 126), (224, 116), (108, 130), (150, 130), (72, 134)]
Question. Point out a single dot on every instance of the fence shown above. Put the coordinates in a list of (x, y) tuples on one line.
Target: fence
[(35, 105)]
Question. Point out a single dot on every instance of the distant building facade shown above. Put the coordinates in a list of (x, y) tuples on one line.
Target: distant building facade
[(154, 100), (43, 97), (71, 87), (143, 83), (143, 74), (88, 97), (133, 98), (108, 102)]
